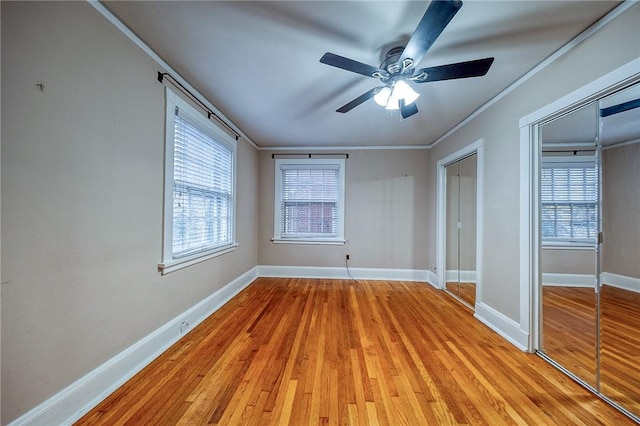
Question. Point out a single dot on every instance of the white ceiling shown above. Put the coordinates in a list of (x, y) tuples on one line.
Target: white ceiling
[(258, 62)]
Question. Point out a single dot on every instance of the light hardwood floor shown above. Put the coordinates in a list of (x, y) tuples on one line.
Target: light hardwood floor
[(307, 352), (463, 291), (620, 339), (569, 328)]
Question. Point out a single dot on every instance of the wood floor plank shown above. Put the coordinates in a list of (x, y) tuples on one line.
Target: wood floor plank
[(338, 352)]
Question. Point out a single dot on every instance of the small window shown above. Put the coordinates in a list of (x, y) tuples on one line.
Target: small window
[(199, 209), (569, 195), (309, 201)]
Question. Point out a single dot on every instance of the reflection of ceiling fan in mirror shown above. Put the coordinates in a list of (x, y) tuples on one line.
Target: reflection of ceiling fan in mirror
[(398, 67), (620, 119)]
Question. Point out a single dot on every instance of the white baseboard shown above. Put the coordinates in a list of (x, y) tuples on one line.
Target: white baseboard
[(568, 280), (80, 397), (621, 281), (432, 278), (465, 276), (341, 273), (503, 325)]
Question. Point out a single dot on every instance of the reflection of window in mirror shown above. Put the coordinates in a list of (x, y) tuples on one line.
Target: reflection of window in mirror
[(569, 198)]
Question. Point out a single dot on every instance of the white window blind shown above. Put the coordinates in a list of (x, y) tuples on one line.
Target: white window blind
[(309, 198), (310, 202), (203, 180), (569, 196)]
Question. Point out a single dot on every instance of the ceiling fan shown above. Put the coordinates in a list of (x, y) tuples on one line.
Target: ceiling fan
[(398, 67)]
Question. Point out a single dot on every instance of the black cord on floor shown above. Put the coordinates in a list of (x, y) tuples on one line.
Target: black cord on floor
[(346, 263)]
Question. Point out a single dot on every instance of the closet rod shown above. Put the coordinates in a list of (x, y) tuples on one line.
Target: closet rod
[(176, 83), (309, 154)]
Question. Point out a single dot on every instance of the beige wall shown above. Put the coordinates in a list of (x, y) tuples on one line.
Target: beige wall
[(386, 214), (621, 210), (613, 46), (82, 186)]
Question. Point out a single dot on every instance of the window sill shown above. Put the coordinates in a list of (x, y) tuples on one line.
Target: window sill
[(568, 245), (174, 265), (312, 241)]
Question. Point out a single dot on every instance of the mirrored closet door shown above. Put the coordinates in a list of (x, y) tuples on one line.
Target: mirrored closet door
[(620, 249), (460, 229), (569, 226), (589, 201)]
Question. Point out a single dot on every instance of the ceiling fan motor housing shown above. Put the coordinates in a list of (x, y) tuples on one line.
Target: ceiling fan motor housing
[(390, 63)]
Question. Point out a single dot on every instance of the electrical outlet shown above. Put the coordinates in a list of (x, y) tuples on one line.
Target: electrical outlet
[(348, 256), (184, 326)]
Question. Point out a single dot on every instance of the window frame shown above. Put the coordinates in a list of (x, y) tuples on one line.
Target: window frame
[(196, 118), (309, 163), (570, 162)]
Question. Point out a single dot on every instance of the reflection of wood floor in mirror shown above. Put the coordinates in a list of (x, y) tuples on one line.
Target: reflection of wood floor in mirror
[(310, 352), (570, 338), (467, 292), (620, 338), (569, 329)]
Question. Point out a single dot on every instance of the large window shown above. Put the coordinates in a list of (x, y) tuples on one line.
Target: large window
[(199, 187), (569, 195), (309, 200)]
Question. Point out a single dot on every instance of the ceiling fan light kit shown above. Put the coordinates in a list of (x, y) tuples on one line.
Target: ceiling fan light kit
[(398, 67), (389, 96)]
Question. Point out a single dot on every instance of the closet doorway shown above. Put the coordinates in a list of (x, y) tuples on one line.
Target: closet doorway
[(581, 245), (458, 224)]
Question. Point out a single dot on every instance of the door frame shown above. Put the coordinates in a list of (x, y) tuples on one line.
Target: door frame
[(477, 148)]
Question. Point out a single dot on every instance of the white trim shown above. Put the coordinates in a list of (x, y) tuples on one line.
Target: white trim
[(441, 211), (530, 275), (528, 263), (620, 281), (432, 278), (166, 268), (568, 280), (154, 56), (479, 219), (503, 325), (310, 241), (542, 65), (74, 401), (568, 245), (420, 275)]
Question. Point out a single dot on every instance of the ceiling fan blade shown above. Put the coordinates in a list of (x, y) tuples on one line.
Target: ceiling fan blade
[(476, 68), (360, 99), (407, 110), (433, 22), (350, 65)]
